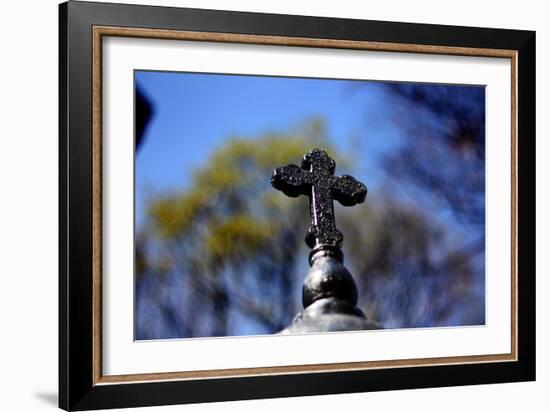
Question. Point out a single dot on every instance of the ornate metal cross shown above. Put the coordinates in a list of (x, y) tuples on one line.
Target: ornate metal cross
[(316, 180)]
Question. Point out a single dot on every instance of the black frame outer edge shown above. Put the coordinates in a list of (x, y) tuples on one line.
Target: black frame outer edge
[(62, 196), (526, 223), (76, 390)]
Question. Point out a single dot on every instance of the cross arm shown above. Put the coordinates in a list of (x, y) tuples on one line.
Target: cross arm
[(348, 191), (292, 180)]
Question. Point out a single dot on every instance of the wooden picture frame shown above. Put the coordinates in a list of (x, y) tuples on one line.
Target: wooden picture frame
[(82, 384)]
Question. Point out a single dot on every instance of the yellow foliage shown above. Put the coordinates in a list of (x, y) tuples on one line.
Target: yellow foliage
[(238, 236), (175, 214)]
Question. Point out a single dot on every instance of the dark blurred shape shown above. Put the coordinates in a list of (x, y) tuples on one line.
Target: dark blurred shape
[(144, 112), (444, 149)]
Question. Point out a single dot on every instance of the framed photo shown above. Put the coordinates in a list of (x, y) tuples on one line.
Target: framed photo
[(185, 136)]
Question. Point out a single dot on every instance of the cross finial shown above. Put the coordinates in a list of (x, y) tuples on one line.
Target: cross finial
[(316, 180)]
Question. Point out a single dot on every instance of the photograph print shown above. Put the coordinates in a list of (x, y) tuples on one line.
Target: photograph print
[(267, 205)]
